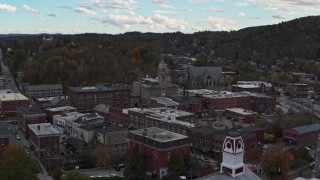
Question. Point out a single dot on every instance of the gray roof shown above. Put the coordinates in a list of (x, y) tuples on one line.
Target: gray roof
[(101, 108), (204, 130), (248, 175), (99, 88), (31, 109), (203, 72), (44, 129), (307, 128), (45, 86), (104, 127), (56, 99)]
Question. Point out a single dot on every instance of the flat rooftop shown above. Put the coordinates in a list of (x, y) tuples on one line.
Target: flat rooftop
[(44, 86), (99, 88), (241, 111), (12, 97), (224, 94), (43, 129), (165, 101), (159, 135), (63, 108), (31, 109)]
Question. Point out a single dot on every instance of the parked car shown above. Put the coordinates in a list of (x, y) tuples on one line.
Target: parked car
[(119, 167), (18, 137)]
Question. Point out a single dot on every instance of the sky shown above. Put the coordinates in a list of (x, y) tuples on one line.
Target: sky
[(120, 16)]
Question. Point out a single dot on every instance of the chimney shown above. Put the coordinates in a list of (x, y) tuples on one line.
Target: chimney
[(38, 127)]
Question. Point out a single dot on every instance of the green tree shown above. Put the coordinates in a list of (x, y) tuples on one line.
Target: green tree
[(15, 163), (177, 164), (136, 168), (74, 175)]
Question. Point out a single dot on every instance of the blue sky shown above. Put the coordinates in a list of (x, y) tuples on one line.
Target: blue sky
[(119, 16)]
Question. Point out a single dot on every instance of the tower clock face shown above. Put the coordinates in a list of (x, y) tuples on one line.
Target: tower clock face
[(228, 146), (239, 146)]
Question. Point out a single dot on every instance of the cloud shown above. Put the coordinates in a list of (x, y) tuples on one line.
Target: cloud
[(197, 1), (51, 14), (63, 7), (157, 21), (114, 4), (85, 10), (242, 14), (29, 9), (279, 17), (220, 24), (164, 12), (164, 22), (163, 4), (8, 8), (212, 9), (283, 5), (196, 28), (42, 18)]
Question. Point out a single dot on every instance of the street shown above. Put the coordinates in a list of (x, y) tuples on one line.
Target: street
[(9, 81)]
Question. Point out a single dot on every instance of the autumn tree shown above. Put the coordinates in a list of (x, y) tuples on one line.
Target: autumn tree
[(74, 175), (136, 168), (57, 173), (15, 163), (276, 160), (103, 158)]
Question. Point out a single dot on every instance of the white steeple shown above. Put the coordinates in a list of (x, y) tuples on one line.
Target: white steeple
[(232, 155)]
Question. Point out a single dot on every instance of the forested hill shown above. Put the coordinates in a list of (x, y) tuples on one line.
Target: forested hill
[(91, 58)]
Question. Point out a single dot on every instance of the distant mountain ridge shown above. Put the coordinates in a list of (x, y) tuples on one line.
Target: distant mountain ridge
[(298, 38)]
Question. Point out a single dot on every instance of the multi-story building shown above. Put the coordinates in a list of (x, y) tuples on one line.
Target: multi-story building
[(297, 89), (73, 127), (86, 98), (54, 101), (203, 77), (4, 136), (45, 139), (114, 137), (253, 86), (162, 86), (162, 117), (210, 140), (102, 110), (10, 101), (239, 114), (159, 145), (256, 102), (65, 120), (30, 114), (57, 111), (303, 135), (46, 90)]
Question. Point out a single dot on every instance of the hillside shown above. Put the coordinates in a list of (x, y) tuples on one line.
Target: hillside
[(91, 58)]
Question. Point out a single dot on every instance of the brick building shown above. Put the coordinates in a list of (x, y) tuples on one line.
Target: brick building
[(210, 140), (45, 139), (253, 86), (46, 90), (117, 116), (102, 110), (30, 114), (256, 102), (297, 89), (163, 117), (86, 98), (303, 135), (158, 145), (10, 101), (57, 111), (239, 114)]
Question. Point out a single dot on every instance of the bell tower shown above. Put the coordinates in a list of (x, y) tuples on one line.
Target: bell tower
[(232, 155), (163, 74)]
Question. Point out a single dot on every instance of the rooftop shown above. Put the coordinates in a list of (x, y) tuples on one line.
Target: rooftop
[(31, 109), (223, 94), (43, 129), (4, 130), (99, 88), (44, 86), (307, 128), (158, 134), (241, 111), (12, 97), (248, 175), (165, 101), (61, 108), (104, 127)]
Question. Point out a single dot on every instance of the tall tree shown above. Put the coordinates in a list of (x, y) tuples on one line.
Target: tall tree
[(15, 163), (276, 160), (136, 168), (102, 155), (177, 164)]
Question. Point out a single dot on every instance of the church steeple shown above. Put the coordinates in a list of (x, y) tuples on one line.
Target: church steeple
[(163, 73), (232, 155)]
